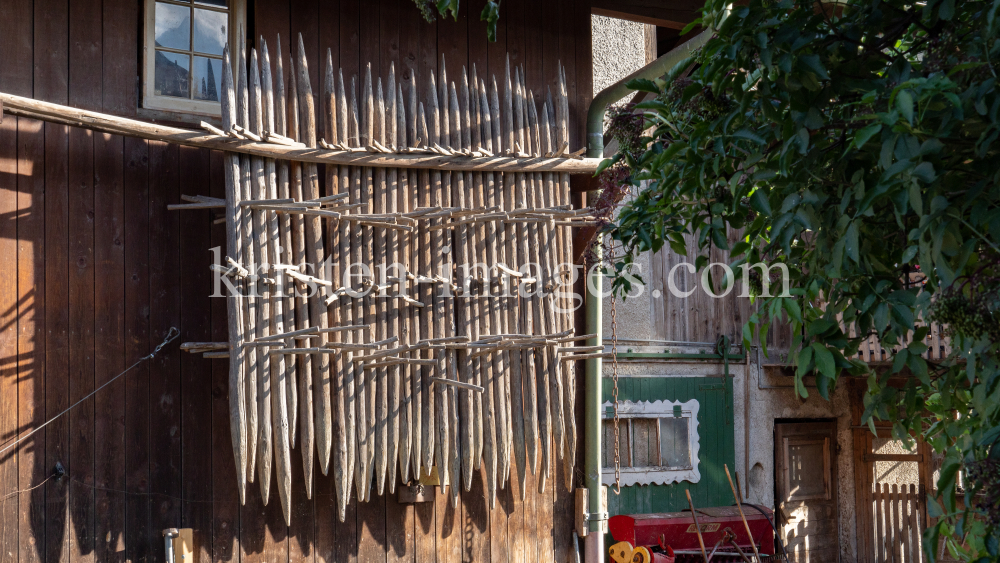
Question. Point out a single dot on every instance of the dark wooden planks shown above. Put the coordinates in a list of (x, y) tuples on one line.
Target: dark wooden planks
[(120, 56), (109, 357), (80, 462), (16, 47), (51, 84), (165, 458), (119, 96), (196, 380), (85, 91), (137, 345)]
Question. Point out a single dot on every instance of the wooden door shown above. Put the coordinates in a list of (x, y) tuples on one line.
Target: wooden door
[(895, 480), (806, 483)]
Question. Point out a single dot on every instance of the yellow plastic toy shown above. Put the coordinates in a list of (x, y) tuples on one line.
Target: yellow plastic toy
[(623, 552)]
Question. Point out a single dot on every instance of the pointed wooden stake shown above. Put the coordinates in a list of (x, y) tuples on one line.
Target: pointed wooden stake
[(316, 256), (237, 364)]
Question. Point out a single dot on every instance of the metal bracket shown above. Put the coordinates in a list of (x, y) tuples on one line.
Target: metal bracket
[(595, 517), (584, 517)]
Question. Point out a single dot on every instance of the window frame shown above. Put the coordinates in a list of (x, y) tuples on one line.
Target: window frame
[(150, 101), (653, 475)]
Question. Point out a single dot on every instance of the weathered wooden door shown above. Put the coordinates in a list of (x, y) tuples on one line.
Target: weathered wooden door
[(806, 482), (895, 477)]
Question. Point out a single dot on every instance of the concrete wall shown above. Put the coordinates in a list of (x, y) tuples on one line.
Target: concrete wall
[(619, 49), (760, 397)]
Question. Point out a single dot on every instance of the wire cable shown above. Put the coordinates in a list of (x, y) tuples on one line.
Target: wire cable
[(172, 335)]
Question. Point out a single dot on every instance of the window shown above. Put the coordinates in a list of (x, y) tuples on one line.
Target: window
[(658, 442), (807, 474), (182, 67)]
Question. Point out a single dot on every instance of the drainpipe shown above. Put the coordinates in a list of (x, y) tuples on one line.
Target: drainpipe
[(618, 90), (594, 550), (168, 544)]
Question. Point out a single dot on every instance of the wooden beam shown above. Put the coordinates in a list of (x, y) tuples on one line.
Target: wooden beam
[(55, 113), (673, 15)]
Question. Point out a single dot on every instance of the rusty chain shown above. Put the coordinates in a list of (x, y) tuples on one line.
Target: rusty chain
[(614, 389)]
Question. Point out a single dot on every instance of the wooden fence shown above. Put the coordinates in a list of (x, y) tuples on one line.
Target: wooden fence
[(937, 341), (872, 350), (898, 523)]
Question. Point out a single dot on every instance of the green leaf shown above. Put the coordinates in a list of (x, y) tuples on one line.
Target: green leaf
[(643, 85), (824, 360), (800, 388), (947, 10), (899, 362), (491, 15), (863, 135), (445, 6), (934, 509), (739, 248), (813, 63), (604, 165), (791, 306), (946, 479), (852, 247), (904, 103), (924, 171), (759, 203), (749, 135), (719, 239)]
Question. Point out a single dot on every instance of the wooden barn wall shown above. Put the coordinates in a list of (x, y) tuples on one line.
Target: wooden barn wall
[(701, 317), (94, 270)]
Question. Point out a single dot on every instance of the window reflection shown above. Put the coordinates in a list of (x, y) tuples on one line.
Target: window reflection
[(188, 40), (171, 74), (173, 26), (207, 79), (210, 28)]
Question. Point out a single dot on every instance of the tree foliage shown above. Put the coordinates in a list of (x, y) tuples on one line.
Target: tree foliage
[(855, 142), (490, 13)]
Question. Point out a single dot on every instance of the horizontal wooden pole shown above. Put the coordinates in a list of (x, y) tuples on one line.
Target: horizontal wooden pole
[(55, 113), (459, 384)]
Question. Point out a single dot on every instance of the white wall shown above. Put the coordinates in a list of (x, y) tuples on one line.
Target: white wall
[(619, 50)]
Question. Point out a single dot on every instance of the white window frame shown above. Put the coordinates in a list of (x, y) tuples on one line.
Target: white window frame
[(656, 475), (237, 21)]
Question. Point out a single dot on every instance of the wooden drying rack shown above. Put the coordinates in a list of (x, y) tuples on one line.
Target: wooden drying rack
[(402, 373)]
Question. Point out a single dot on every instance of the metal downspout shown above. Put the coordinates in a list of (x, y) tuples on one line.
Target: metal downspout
[(594, 550), (618, 90)]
